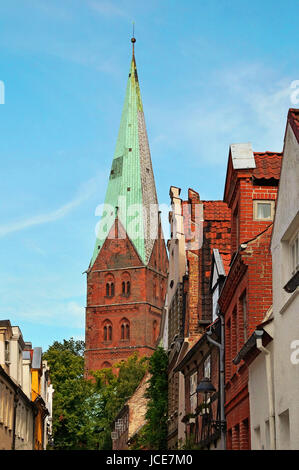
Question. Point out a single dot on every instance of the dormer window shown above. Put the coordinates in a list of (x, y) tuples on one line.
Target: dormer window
[(263, 210)]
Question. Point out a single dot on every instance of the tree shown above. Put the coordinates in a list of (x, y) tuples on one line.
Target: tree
[(154, 433), (75, 401), (76, 347), (115, 389), (84, 410)]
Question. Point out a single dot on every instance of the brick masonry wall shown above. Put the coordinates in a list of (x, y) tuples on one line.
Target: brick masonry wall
[(250, 278), (216, 230), (196, 285)]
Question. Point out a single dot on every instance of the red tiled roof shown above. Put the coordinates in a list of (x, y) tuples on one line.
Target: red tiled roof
[(293, 119), (268, 165), (216, 210)]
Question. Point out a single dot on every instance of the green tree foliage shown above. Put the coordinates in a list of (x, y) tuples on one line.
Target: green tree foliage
[(76, 347), (75, 400), (115, 390), (154, 434), (83, 410)]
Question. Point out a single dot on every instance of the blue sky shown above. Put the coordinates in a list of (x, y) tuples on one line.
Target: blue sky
[(211, 72)]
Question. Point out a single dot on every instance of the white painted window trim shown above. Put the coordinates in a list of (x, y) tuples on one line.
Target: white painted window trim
[(207, 366), (193, 394), (294, 242), (263, 201)]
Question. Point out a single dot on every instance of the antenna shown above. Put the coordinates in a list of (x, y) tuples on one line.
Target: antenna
[(133, 40)]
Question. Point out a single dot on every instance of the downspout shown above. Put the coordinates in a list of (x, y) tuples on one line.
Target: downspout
[(259, 345), (221, 347)]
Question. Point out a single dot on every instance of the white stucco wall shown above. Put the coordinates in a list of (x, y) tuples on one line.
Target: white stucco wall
[(24, 426), (27, 377), (259, 403), (286, 306), (177, 255), (16, 360)]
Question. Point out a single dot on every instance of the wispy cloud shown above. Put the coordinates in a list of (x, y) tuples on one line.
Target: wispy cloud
[(107, 8), (52, 10), (85, 192), (70, 314), (244, 103)]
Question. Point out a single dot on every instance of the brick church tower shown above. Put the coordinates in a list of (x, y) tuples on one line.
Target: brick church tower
[(127, 275)]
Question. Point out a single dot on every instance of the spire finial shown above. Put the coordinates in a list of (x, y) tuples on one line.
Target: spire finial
[(133, 40)]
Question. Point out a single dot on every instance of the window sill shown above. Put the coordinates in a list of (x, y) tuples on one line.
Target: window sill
[(292, 284), (263, 220), (289, 301)]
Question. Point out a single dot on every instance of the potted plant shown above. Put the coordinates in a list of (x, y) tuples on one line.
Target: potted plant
[(203, 409)]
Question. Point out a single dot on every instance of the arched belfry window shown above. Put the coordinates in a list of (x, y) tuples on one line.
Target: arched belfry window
[(107, 333), (110, 289), (126, 285), (125, 329)]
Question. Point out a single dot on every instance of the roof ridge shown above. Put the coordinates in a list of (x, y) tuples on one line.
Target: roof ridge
[(268, 152)]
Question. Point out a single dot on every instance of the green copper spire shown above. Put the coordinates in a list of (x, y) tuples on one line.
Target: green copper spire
[(131, 192)]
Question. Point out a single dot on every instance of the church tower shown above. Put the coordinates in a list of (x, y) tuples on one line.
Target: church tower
[(127, 275)]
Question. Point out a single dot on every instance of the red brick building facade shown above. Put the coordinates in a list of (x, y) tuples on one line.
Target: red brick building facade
[(250, 192), (125, 299), (191, 310)]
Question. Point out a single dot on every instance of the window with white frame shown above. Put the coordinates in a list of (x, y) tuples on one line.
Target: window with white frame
[(207, 367), (193, 394), (294, 252), (263, 210), (7, 351), (215, 297)]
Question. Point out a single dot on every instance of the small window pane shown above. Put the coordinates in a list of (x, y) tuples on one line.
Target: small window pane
[(295, 254), (263, 210), (207, 367), (193, 394)]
